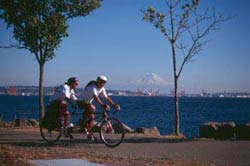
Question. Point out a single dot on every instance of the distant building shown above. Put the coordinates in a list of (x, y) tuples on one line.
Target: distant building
[(12, 90), (181, 93)]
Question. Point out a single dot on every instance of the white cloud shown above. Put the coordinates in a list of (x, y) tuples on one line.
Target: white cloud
[(151, 79)]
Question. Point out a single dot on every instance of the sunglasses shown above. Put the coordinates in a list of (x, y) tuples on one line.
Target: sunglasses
[(103, 82)]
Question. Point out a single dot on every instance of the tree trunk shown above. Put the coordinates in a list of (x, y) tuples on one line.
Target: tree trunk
[(41, 97), (176, 99), (176, 107)]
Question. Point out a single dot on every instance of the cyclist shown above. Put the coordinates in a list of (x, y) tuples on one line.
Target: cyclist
[(91, 92), (63, 96)]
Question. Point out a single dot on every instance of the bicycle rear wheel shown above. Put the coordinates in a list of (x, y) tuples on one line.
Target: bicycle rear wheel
[(111, 132), (50, 135)]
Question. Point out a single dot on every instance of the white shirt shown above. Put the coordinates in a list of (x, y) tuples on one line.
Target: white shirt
[(90, 91), (63, 91)]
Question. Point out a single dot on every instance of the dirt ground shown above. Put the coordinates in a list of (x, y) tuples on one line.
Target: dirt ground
[(17, 146)]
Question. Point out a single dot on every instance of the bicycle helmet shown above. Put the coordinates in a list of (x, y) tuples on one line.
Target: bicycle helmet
[(102, 78), (72, 80)]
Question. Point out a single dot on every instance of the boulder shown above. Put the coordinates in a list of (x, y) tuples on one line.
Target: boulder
[(243, 131), (6, 124), (140, 130), (127, 129), (21, 122), (209, 130), (33, 122), (226, 130), (147, 131)]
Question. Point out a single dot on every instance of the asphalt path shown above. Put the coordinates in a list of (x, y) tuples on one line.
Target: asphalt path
[(227, 152)]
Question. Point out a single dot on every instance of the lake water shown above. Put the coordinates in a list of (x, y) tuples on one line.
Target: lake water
[(149, 111)]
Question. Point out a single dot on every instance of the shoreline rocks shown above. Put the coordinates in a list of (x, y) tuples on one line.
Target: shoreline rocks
[(147, 131), (225, 130)]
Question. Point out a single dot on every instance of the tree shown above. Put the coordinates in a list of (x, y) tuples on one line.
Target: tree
[(185, 28), (39, 26)]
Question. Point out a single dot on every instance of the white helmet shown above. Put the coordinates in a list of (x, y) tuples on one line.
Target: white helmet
[(102, 78)]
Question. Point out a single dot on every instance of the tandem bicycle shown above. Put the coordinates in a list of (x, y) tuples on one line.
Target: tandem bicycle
[(110, 129)]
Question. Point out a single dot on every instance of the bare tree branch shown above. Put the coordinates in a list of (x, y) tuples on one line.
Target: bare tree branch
[(187, 57)]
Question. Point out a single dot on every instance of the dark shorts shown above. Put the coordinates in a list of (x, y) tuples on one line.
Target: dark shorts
[(84, 105), (54, 105), (58, 106)]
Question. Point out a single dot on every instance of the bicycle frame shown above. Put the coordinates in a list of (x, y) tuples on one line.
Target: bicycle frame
[(99, 117)]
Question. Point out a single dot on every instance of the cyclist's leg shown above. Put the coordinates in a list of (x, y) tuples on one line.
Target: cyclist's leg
[(90, 122), (89, 114), (63, 114), (64, 118), (67, 119)]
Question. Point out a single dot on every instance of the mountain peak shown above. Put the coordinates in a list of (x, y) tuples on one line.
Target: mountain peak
[(151, 79)]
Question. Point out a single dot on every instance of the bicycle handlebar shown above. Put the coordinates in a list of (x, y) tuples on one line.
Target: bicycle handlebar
[(75, 112)]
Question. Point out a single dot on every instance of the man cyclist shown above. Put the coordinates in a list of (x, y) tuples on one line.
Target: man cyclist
[(92, 91), (63, 96)]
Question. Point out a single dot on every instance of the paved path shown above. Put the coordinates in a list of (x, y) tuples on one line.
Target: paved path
[(218, 152), (64, 162)]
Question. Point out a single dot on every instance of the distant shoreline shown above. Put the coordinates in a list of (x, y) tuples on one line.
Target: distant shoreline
[(33, 91), (168, 96)]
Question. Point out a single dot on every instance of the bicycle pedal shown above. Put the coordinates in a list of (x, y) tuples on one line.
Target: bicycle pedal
[(65, 133), (71, 136), (92, 138)]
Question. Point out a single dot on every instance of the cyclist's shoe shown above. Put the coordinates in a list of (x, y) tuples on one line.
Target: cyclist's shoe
[(86, 130), (70, 136), (92, 138), (71, 125), (65, 132)]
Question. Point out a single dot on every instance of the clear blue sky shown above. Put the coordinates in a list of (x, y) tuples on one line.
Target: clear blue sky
[(114, 41)]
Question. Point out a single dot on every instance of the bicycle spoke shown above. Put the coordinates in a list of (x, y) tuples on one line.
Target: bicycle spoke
[(51, 136), (112, 132)]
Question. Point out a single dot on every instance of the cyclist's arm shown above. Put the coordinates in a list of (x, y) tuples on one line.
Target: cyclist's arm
[(110, 101), (98, 100), (72, 102), (107, 98)]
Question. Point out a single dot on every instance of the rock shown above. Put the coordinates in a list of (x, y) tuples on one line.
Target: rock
[(127, 129), (243, 132), (209, 130), (21, 122), (6, 124), (154, 131), (148, 131), (226, 130), (141, 130), (26, 122), (33, 122)]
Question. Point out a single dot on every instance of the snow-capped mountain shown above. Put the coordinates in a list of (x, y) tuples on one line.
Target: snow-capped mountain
[(151, 79)]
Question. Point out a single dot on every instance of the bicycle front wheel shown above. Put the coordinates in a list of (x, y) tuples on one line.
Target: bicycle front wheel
[(111, 132), (50, 135)]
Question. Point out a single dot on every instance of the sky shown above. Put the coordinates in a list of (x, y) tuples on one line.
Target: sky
[(115, 42)]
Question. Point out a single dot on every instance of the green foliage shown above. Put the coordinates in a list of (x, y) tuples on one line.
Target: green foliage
[(40, 25), (156, 18)]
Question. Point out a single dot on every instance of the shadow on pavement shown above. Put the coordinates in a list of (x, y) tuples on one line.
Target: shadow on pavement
[(74, 142)]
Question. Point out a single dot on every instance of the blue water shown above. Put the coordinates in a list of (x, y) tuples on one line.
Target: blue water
[(150, 111)]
